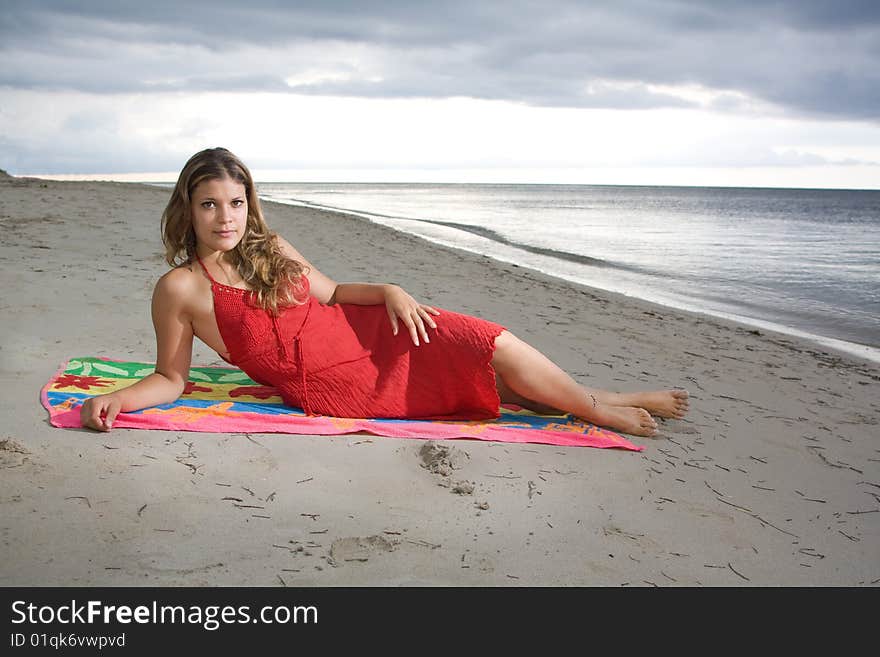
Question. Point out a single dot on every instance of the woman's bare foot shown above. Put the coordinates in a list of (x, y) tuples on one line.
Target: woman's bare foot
[(628, 419), (662, 403)]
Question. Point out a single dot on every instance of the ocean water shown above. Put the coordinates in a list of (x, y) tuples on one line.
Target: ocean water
[(805, 262)]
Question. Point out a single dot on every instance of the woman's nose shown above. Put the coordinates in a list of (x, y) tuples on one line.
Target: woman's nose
[(225, 212)]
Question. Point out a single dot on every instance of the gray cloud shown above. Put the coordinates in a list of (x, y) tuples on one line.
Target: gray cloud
[(810, 57), (69, 152)]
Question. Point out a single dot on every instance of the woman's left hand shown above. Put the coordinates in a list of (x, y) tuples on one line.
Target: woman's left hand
[(416, 316)]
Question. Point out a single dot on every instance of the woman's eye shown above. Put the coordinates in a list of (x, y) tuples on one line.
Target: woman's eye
[(237, 203), (208, 204)]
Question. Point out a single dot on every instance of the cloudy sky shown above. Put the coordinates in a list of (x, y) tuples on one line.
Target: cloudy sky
[(752, 92)]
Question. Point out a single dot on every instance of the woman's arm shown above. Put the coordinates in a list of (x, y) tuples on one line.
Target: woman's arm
[(399, 304), (174, 339)]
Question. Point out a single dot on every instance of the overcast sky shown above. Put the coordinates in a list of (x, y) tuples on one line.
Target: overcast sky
[(750, 92)]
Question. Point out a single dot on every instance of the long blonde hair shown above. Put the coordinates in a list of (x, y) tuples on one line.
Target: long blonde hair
[(275, 279)]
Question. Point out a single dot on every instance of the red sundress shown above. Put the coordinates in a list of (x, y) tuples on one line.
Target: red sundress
[(343, 360)]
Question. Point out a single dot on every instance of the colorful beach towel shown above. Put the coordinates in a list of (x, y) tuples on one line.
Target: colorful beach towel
[(225, 400)]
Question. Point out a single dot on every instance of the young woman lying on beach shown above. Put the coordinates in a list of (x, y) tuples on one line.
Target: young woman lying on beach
[(335, 348)]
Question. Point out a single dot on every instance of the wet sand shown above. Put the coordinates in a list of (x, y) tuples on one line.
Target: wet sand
[(773, 479)]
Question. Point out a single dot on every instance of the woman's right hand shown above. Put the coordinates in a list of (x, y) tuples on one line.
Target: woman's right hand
[(100, 412)]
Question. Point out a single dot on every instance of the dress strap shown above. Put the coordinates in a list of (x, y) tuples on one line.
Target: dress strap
[(205, 269)]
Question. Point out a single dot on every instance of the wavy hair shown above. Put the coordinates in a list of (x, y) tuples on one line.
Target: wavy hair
[(275, 279)]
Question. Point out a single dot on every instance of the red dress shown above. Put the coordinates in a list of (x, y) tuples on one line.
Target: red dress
[(343, 360)]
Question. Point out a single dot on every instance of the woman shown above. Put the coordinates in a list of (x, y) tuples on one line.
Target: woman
[(330, 348)]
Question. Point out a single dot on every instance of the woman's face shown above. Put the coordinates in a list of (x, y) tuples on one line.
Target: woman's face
[(219, 214)]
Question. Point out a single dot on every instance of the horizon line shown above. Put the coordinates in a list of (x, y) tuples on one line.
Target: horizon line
[(165, 178)]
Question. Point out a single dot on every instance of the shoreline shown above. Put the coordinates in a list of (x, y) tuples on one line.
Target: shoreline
[(772, 480), (859, 350)]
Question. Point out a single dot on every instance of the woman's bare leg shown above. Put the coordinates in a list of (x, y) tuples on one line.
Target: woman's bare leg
[(532, 377), (508, 396)]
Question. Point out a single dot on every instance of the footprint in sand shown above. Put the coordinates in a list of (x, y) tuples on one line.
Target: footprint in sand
[(360, 548), (682, 430), (442, 461), (12, 453)]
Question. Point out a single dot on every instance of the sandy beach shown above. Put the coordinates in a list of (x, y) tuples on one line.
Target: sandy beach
[(772, 480)]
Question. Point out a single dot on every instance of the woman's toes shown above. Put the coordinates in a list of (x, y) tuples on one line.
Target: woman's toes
[(682, 404)]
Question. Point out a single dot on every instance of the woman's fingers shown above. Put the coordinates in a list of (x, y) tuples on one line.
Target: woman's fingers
[(90, 414), (112, 411), (99, 413), (415, 316), (393, 317), (423, 311), (422, 320), (413, 327), (420, 323)]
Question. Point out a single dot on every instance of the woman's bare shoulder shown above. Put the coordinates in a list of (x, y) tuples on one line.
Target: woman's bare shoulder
[(181, 284)]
